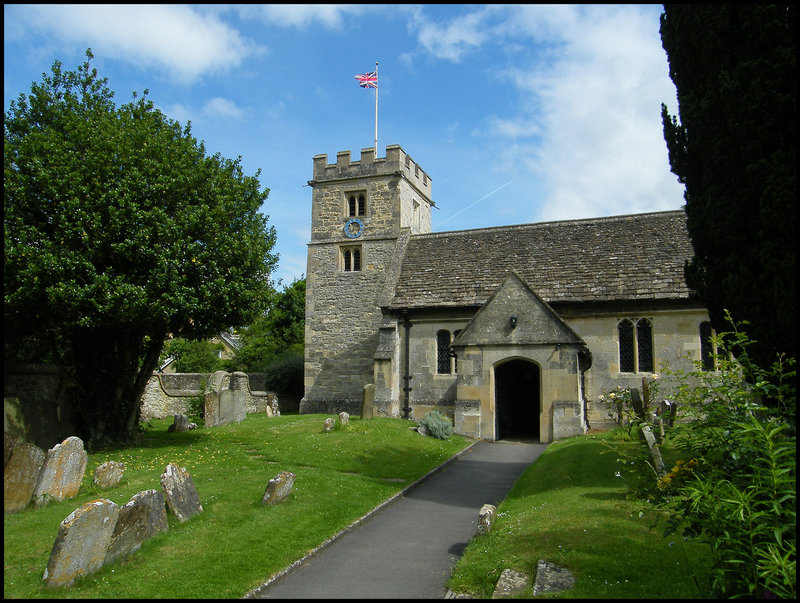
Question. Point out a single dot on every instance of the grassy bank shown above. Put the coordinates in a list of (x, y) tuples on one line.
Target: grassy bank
[(236, 543), (571, 508)]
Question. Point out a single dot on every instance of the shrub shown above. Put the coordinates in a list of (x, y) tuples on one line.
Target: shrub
[(437, 425)]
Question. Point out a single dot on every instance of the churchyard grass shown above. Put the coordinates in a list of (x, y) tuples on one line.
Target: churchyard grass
[(571, 508), (237, 542)]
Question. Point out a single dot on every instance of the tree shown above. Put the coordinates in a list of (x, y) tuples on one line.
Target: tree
[(734, 148), (118, 230), (278, 332), (193, 356)]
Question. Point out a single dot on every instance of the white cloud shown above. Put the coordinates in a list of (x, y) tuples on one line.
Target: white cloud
[(181, 41), (302, 15), (222, 107), (456, 38)]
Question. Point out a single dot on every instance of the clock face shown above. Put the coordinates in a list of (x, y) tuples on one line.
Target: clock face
[(353, 228)]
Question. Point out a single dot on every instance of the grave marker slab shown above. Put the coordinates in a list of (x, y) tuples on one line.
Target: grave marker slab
[(108, 474), (344, 418), (278, 488), (81, 543), (143, 517), (20, 476), (486, 517), (62, 472), (179, 492)]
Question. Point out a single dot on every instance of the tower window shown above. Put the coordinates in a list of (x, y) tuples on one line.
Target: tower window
[(356, 204), (351, 259), (635, 346), (443, 352)]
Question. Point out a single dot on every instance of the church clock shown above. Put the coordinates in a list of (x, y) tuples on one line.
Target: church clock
[(353, 228)]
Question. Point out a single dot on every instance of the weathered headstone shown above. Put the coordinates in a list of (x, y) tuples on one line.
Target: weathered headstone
[(269, 411), (20, 476), (179, 423), (510, 584), (344, 418), (368, 401), (141, 518), (655, 452), (486, 517), (273, 402), (108, 474), (328, 425), (62, 472), (179, 492), (81, 543), (9, 440), (278, 488), (551, 578)]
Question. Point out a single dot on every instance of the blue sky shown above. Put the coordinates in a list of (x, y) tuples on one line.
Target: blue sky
[(518, 113)]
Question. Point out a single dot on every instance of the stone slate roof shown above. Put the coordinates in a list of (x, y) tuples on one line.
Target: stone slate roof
[(620, 258)]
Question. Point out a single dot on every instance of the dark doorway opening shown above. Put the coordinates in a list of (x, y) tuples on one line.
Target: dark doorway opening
[(517, 400)]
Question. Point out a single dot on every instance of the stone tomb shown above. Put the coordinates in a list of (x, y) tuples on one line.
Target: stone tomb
[(20, 476), (179, 492), (81, 544), (62, 472)]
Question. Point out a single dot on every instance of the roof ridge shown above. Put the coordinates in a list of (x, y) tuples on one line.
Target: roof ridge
[(576, 221)]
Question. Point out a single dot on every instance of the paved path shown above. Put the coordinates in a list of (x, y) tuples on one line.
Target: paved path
[(408, 550)]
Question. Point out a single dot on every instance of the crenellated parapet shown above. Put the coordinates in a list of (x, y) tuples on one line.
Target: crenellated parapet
[(396, 163)]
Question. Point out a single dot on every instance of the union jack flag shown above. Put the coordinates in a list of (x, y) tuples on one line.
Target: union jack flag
[(368, 80)]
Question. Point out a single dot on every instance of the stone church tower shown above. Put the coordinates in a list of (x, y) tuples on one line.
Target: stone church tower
[(363, 213)]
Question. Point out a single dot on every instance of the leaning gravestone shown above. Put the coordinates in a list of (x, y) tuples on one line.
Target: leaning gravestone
[(278, 488), (486, 517), (179, 492), (655, 452), (20, 475), (141, 518), (108, 474), (62, 472), (81, 542)]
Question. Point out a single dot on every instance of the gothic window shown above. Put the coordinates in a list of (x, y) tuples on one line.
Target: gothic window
[(635, 346), (443, 352), (706, 347), (356, 204), (351, 259)]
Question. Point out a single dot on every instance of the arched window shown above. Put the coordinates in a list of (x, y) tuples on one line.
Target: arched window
[(443, 352), (635, 346), (356, 204), (626, 353), (351, 259), (706, 347)]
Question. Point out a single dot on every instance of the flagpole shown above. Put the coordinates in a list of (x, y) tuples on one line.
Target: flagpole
[(376, 109)]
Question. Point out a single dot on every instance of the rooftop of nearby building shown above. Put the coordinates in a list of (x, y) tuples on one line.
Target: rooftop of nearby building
[(632, 258)]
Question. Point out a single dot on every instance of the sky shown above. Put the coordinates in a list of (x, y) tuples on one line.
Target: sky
[(518, 113)]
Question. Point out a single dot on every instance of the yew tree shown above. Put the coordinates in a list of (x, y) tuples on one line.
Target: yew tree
[(734, 147), (120, 229)]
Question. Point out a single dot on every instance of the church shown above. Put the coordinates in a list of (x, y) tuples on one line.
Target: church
[(511, 331)]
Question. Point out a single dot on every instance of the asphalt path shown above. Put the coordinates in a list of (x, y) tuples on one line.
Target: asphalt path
[(408, 549)]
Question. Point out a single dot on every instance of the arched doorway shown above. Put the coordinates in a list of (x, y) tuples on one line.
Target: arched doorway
[(517, 399)]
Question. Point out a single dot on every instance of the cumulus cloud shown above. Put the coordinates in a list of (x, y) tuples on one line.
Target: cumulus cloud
[(222, 107), (176, 39), (302, 15)]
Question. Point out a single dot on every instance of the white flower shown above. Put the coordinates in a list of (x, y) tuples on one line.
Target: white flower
[(618, 474)]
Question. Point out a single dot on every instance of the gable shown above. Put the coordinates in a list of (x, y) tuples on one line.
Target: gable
[(536, 322)]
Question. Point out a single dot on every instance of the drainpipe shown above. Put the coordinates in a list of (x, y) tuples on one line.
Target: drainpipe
[(407, 376)]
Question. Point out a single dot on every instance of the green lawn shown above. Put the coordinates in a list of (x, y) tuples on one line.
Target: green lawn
[(571, 508), (237, 542)]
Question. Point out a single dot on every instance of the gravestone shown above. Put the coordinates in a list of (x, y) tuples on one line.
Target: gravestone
[(511, 583), (108, 474), (179, 492), (328, 425), (655, 452), (269, 411), (62, 472), (367, 401), (141, 518), (551, 578), (278, 488), (344, 418), (9, 440), (81, 543), (179, 423), (486, 517), (20, 476)]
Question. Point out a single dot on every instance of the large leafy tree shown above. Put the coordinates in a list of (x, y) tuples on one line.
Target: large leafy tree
[(734, 148), (118, 230)]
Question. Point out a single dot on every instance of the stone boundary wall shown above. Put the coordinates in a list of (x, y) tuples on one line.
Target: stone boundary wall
[(169, 394)]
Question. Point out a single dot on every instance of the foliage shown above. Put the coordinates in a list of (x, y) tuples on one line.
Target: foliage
[(437, 425), (119, 229), (236, 543), (733, 483), (193, 356), (278, 332), (734, 149), (285, 375)]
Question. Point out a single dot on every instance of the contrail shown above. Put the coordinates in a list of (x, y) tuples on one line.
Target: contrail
[(476, 202)]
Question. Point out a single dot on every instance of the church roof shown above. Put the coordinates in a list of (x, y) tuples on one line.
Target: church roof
[(631, 258)]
